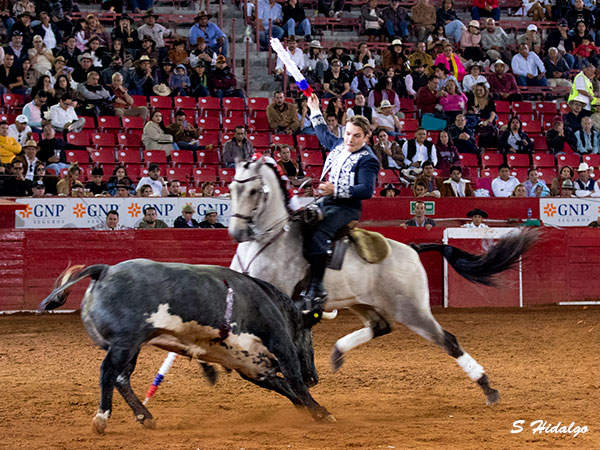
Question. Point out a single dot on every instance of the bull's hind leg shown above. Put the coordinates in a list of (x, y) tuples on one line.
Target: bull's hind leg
[(141, 413), (424, 324), (375, 326)]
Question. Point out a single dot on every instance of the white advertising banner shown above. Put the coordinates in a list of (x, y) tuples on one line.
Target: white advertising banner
[(67, 212), (569, 212)]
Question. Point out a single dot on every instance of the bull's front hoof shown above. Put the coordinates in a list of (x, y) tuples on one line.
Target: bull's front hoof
[(324, 416), (492, 398), (149, 424), (337, 359), (330, 418), (99, 423)]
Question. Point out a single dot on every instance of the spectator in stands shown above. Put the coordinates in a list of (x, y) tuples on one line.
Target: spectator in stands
[(295, 21), (178, 54), (64, 186), (463, 136), (481, 106), (148, 48), (116, 66), (44, 84), (456, 185), (360, 108), (38, 189), (290, 167), (239, 148), (418, 150), (538, 10), (28, 156), (565, 173), (93, 28), (474, 77), (420, 54), (580, 14), (586, 51), (212, 34), (389, 191), (561, 40), (364, 81), (559, 136), (476, 215), (269, 10), (185, 135), (471, 42), (199, 81), (154, 136), (495, 42), (335, 127), (20, 130), (503, 85), (154, 31), (11, 77), (211, 220), (84, 66), (331, 8), (340, 52), (573, 118), (582, 89), (389, 153), (504, 184), (150, 220), (41, 57), (142, 81), (34, 111), (372, 23), (123, 190), (514, 139), (207, 189), (16, 185), (386, 119), (485, 8), (394, 56), (9, 147), (15, 47), (174, 188), (419, 189), (335, 107), (203, 55), (447, 17), (96, 99), (180, 82), (63, 116), (557, 69), (124, 30), (396, 20), (111, 223), (433, 184), (222, 80), (384, 91), (186, 220), (587, 138), (419, 219), (52, 149), (70, 52), (295, 54), (336, 83), (61, 87), (427, 96), (453, 101), (154, 179), (533, 183), (163, 73), (423, 15), (451, 62), (528, 68), (519, 191), (567, 189), (584, 185), (531, 38), (416, 79), (447, 153), (315, 63), (282, 116), (23, 26), (96, 186), (122, 102), (145, 191)]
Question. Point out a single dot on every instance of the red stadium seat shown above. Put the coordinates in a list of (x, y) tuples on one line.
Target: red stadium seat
[(387, 176), (226, 175), (468, 159), (543, 160), (229, 123), (502, 107), (155, 156), (257, 124), (564, 108), (258, 103), (104, 139), (539, 143), (407, 104), (520, 173), (130, 140), (13, 102), (524, 108), (220, 190), (133, 123), (592, 160), (209, 138), (308, 142), (82, 138), (260, 140), (139, 100), (311, 158), (185, 103), (226, 137), (129, 157), (235, 114), (547, 174), (516, 160), (546, 109), (409, 125), (313, 172), (532, 126), (109, 123), (484, 183), (78, 156), (208, 123), (161, 102), (90, 123), (179, 173), (207, 157), (103, 156), (283, 139), (277, 154), (491, 159), (568, 160), (205, 174), (182, 157), (234, 103), (209, 103), (489, 173)]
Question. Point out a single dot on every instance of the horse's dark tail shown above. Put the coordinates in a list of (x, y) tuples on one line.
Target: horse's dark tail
[(65, 281), (482, 268)]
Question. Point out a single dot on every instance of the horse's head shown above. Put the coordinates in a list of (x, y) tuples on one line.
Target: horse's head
[(256, 200)]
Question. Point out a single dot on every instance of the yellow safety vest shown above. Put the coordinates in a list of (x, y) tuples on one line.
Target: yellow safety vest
[(589, 87)]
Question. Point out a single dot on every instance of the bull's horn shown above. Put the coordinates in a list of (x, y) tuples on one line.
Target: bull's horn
[(330, 315)]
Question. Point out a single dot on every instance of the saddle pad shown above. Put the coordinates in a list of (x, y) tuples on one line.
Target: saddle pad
[(372, 247)]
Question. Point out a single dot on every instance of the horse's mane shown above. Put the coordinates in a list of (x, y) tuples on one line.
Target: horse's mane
[(282, 182)]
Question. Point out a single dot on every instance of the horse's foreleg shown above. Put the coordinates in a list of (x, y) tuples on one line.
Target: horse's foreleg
[(375, 326)]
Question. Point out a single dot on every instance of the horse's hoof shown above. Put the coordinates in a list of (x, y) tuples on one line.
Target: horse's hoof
[(492, 398), (337, 359), (149, 424), (99, 424)]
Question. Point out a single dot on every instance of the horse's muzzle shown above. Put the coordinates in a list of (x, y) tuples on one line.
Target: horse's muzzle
[(241, 234)]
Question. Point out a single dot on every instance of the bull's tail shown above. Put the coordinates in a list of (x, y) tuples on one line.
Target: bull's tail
[(482, 268), (65, 281)]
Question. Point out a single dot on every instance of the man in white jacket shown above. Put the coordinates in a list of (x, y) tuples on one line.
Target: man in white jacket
[(504, 184), (585, 186)]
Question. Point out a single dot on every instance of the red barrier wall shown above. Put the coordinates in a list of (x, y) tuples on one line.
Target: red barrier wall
[(562, 267)]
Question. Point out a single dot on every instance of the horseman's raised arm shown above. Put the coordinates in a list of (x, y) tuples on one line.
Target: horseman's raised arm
[(326, 138)]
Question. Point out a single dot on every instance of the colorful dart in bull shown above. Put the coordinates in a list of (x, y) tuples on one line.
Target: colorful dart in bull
[(291, 67), (158, 379)]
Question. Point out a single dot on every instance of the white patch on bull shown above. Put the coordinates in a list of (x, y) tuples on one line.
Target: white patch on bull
[(244, 352)]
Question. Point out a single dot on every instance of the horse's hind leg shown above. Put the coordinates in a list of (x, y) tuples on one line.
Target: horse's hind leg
[(375, 326), (426, 326)]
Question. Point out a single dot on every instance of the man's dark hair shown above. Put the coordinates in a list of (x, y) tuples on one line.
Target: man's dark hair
[(531, 169), (3, 122), (427, 163), (147, 208), (170, 182), (453, 168), (277, 92), (179, 113), (65, 97), (42, 94), (503, 166), (239, 127), (432, 77), (153, 166), (112, 211)]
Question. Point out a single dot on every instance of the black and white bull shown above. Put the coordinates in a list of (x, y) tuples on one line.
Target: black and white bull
[(209, 313)]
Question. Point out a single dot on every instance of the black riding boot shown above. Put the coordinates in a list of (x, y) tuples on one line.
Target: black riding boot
[(315, 294)]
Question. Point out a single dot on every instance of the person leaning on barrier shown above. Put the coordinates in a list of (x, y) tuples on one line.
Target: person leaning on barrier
[(186, 220), (150, 220)]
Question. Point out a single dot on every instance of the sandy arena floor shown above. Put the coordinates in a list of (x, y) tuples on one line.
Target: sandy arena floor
[(398, 391)]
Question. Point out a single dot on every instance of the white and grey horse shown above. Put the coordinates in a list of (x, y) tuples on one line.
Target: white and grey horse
[(381, 295)]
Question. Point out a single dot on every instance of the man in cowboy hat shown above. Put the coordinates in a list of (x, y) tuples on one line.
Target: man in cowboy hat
[(386, 119), (474, 77), (142, 80), (420, 54), (295, 21), (585, 186), (23, 26), (211, 220), (336, 83), (186, 220), (567, 189), (84, 66), (573, 118), (365, 80), (503, 85), (389, 191), (154, 31), (212, 34), (30, 148), (416, 79), (477, 215)]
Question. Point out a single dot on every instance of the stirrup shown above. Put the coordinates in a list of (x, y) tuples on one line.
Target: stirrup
[(313, 297)]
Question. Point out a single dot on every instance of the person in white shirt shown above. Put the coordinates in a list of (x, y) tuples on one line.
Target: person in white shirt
[(585, 186), (20, 130), (474, 77), (477, 215), (155, 181), (504, 184), (528, 68), (296, 55), (63, 116), (418, 150), (386, 119), (111, 223)]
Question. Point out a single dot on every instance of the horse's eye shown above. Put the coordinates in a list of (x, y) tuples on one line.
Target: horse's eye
[(253, 192)]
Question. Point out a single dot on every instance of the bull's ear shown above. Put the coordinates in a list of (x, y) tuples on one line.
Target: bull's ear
[(312, 317)]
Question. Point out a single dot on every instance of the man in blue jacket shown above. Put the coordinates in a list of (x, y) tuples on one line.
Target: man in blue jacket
[(352, 168)]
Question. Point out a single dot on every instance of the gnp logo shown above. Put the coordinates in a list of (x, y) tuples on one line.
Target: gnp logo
[(43, 211), (134, 210), (93, 209), (25, 213), (567, 209)]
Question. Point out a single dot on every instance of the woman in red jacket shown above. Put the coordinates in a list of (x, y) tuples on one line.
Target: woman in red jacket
[(485, 8)]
